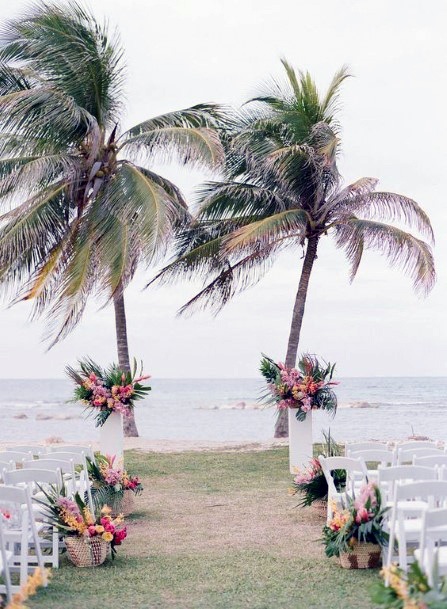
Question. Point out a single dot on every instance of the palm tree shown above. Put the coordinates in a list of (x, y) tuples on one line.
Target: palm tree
[(282, 189), (81, 207)]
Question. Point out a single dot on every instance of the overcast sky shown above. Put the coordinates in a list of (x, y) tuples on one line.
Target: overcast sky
[(183, 52)]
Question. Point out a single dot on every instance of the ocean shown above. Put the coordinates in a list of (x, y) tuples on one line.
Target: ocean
[(229, 410)]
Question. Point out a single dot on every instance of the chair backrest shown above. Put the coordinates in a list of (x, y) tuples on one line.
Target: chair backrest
[(384, 457), (356, 446), (31, 477), (430, 460), (432, 491), (406, 455), (417, 444), (350, 466), (34, 450), (76, 458), (15, 456), (87, 450), (65, 466)]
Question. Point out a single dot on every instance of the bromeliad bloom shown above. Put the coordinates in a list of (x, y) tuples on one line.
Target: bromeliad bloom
[(308, 387), (109, 390)]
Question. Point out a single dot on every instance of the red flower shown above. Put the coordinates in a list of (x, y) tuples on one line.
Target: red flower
[(119, 536)]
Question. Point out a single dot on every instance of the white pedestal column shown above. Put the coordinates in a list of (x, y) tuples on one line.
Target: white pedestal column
[(300, 440), (111, 437)]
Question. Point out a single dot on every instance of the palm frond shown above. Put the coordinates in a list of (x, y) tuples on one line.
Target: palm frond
[(400, 248), (292, 223), (188, 145), (386, 206)]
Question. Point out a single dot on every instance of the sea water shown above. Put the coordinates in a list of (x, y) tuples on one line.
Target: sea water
[(228, 410)]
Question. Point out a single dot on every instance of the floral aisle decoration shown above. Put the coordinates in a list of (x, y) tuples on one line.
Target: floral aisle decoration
[(310, 483), (32, 584), (305, 388), (87, 537), (112, 485), (356, 533), (107, 390), (409, 590)]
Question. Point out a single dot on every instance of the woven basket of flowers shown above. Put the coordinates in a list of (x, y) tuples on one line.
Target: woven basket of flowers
[(362, 556), (86, 551), (356, 533)]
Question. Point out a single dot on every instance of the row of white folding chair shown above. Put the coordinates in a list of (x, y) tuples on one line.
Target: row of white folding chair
[(37, 480), (432, 551), (24, 451), (20, 538), (405, 525), (66, 463)]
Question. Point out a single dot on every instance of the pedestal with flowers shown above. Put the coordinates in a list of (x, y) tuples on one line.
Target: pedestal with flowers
[(109, 395), (302, 389)]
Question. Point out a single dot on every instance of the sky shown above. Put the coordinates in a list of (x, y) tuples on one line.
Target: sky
[(184, 52)]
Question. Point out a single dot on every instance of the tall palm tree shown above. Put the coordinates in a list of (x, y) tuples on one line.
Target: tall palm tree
[(81, 208), (282, 188)]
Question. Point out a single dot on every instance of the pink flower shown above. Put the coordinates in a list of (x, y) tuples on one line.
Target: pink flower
[(91, 531), (362, 515)]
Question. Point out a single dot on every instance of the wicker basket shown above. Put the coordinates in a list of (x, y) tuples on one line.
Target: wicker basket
[(126, 506), (320, 507), (85, 551), (362, 556)]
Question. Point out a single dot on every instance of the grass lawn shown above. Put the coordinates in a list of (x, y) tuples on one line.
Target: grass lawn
[(213, 530)]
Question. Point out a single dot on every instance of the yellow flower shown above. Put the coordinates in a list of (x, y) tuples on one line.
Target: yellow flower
[(107, 536), (99, 528), (106, 510)]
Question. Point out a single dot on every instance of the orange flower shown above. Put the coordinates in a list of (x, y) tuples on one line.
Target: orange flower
[(107, 536)]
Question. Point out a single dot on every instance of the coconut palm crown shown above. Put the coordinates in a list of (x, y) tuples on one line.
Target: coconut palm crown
[(81, 208), (282, 188)]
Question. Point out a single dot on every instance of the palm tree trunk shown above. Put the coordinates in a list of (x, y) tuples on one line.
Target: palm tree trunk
[(282, 423), (130, 428)]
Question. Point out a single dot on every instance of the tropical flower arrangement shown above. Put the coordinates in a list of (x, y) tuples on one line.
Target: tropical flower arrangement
[(74, 519), (109, 483), (107, 390), (311, 482), (361, 521), (409, 590), (307, 387)]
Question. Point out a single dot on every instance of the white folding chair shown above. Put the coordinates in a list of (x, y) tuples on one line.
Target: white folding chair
[(60, 448), (385, 458), (81, 483), (406, 526), (406, 455), (35, 480), (431, 460), (356, 446), (20, 532), (5, 559), (352, 467), (431, 555)]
